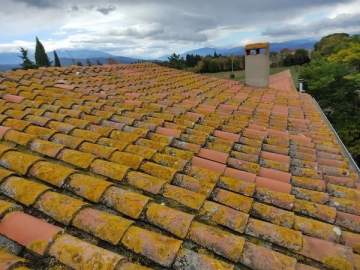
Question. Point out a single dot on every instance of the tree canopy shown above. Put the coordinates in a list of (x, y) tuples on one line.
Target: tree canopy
[(41, 57)]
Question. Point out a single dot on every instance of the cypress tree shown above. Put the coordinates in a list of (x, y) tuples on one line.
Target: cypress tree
[(27, 63), (56, 60), (41, 57)]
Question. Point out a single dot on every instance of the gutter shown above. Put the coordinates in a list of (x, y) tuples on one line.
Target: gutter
[(345, 152)]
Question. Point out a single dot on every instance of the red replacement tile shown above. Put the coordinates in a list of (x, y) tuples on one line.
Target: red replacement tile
[(28, 231), (13, 98), (227, 135), (213, 155), (273, 184), (168, 132), (3, 130), (328, 253), (208, 164), (241, 175), (275, 174)]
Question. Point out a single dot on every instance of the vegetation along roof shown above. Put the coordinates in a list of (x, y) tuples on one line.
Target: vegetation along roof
[(145, 167)]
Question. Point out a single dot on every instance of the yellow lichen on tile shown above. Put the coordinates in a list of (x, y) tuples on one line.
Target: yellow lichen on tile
[(158, 170)]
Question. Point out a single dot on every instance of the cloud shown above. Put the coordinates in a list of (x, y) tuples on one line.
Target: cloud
[(158, 27), (342, 22), (106, 10)]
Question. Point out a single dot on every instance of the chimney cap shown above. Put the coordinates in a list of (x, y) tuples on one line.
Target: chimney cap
[(259, 45)]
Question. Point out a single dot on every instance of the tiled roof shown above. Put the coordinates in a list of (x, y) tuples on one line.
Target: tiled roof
[(141, 166)]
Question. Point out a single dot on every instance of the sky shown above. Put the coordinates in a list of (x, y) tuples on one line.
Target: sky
[(153, 28)]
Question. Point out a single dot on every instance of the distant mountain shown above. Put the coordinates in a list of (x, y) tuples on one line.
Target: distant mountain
[(274, 47), (67, 57)]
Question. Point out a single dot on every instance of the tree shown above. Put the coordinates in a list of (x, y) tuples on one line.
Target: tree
[(176, 61), (41, 57), (56, 60), (88, 62), (98, 62), (301, 57), (27, 63), (78, 63)]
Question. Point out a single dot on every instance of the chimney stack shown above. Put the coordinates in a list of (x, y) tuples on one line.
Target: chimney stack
[(257, 64)]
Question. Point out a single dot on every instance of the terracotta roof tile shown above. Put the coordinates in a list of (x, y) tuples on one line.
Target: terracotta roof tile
[(28, 231), (173, 170), (66, 248), (157, 247)]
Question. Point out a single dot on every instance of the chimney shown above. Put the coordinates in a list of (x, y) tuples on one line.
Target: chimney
[(257, 64)]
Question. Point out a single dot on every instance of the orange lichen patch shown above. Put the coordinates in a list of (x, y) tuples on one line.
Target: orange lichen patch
[(244, 165), (279, 199), (308, 183), (80, 123), (262, 258), (37, 120), (109, 169), (343, 192), (51, 173), (351, 240), (160, 140), (97, 150), (171, 220), (76, 158), (105, 131), (225, 216), (46, 148), (18, 137), (169, 161), (7, 260), (16, 124), (119, 145), (158, 170), (18, 162), (40, 132), (236, 185), (4, 173), (146, 182), (188, 259), (333, 256), (60, 126), (132, 266), (182, 154), (89, 187), (6, 207), (153, 144), (317, 229), (126, 202), (143, 151), (183, 196), (128, 159), (22, 190), (276, 165), (67, 140), (310, 195), (86, 135), (234, 200), (58, 206), (315, 210), (79, 254), (103, 225), (124, 136), (279, 235), (345, 205), (221, 242), (273, 214), (202, 186), (204, 174), (4, 148), (158, 248)]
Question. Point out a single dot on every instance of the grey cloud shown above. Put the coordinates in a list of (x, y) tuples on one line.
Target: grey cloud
[(106, 10), (339, 22), (40, 3)]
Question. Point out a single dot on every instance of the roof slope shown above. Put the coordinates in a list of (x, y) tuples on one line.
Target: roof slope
[(114, 167)]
